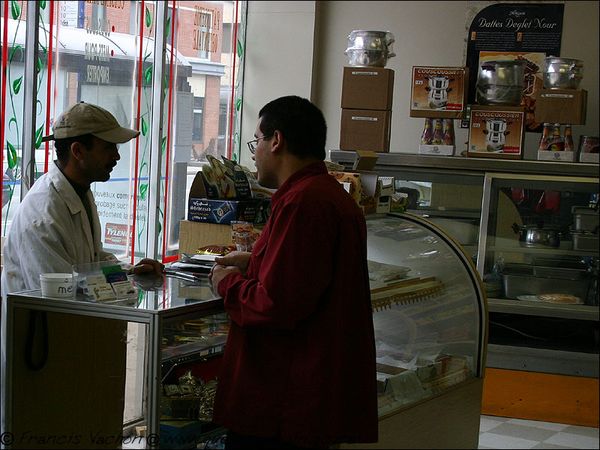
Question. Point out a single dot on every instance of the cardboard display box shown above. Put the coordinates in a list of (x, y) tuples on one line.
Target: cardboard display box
[(496, 132), (438, 91), (431, 149), (363, 129), (551, 155), (565, 106), (194, 235), (367, 88), (362, 183), (226, 211)]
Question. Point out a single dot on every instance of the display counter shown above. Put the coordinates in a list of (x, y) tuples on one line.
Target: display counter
[(543, 353), (161, 349)]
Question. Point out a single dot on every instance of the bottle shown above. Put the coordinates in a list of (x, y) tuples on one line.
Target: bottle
[(427, 135), (448, 132), (569, 146), (545, 139), (557, 143), (438, 133)]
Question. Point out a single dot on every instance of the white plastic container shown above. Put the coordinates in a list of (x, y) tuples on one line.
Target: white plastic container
[(58, 285)]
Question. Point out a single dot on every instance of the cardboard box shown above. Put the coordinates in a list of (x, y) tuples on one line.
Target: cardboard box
[(226, 211), (496, 132), (194, 235), (429, 149), (363, 129), (550, 155), (589, 157), (367, 88), (566, 106), (362, 182), (438, 91)]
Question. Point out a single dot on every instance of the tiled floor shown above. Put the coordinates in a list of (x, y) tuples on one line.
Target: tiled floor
[(504, 432)]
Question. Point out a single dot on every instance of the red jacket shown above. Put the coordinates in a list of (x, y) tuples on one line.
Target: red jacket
[(299, 364)]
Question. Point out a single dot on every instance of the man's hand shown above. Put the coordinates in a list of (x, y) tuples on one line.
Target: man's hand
[(237, 259), (148, 266), (218, 272)]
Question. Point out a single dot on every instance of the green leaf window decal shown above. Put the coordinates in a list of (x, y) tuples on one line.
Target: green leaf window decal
[(148, 75), (148, 18), (12, 156), (42, 4), (17, 85), (39, 133), (143, 190), (14, 50), (144, 127), (15, 9), (168, 27)]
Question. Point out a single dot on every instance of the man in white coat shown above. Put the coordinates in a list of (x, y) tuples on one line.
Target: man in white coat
[(57, 225)]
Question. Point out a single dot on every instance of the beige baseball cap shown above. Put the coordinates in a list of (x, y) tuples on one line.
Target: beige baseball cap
[(85, 118)]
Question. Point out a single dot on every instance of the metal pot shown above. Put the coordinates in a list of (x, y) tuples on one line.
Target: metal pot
[(370, 40), (367, 58), (562, 73), (500, 82), (369, 48), (537, 235)]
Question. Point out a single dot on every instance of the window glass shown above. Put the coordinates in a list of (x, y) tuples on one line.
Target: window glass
[(103, 53)]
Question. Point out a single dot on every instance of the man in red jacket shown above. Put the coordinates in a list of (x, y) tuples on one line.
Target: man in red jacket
[(299, 363)]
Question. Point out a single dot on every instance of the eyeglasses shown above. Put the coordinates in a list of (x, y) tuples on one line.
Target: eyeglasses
[(253, 143)]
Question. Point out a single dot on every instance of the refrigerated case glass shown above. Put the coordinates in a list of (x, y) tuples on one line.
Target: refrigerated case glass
[(539, 259), (429, 310)]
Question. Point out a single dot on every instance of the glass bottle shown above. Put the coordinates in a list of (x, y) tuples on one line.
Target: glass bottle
[(427, 136), (545, 139), (569, 146), (556, 141), (438, 132), (448, 132)]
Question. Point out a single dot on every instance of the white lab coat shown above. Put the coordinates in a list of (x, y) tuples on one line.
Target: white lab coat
[(50, 232)]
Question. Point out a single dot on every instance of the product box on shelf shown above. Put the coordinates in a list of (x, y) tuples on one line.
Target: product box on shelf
[(496, 132), (367, 88), (561, 106), (438, 91), (551, 155), (363, 129), (362, 182), (434, 149), (223, 211), (588, 149)]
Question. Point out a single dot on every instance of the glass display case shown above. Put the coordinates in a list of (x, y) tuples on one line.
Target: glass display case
[(539, 258), (104, 374), (161, 350), (487, 205), (430, 322)]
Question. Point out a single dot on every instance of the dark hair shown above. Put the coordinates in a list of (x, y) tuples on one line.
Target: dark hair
[(301, 123), (63, 146)]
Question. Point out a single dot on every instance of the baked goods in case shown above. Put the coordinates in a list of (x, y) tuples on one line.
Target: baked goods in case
[(566, 299)]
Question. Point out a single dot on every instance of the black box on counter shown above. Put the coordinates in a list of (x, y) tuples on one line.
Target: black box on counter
[(367, 88), (561, 106), (225, 211), (363, 129)]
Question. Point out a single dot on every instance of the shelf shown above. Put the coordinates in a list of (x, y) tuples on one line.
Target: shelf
[(543, 251), (580, 312), (402, 162), (450, 213)]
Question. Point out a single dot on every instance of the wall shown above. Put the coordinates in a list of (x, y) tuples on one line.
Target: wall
[(279, 58), (427, 33)]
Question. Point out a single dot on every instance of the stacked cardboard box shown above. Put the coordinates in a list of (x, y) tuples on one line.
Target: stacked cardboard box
[(366, 109)]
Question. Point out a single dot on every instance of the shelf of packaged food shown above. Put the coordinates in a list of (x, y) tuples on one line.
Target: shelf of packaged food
[(530, 308)]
